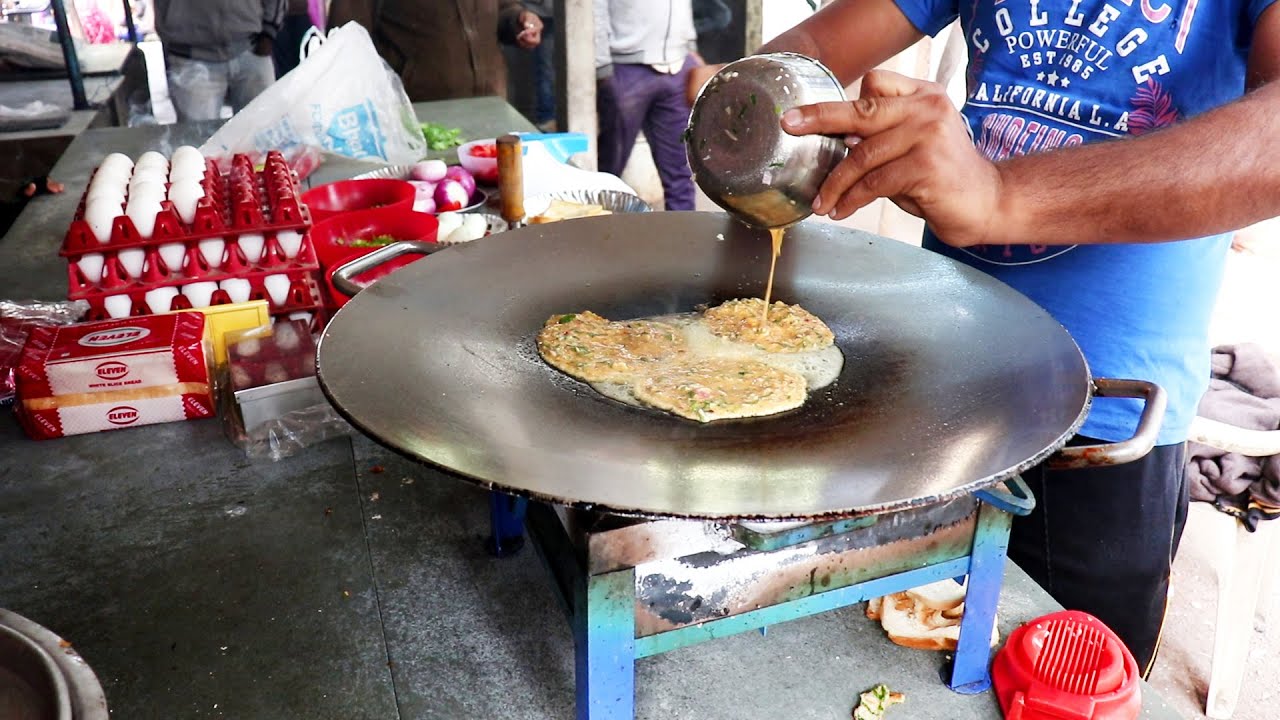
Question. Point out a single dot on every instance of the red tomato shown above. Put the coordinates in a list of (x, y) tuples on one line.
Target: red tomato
[(484, 151)]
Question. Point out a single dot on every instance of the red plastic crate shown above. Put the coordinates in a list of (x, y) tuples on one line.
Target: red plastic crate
[(245, 226), (240, 201), (303, 295)]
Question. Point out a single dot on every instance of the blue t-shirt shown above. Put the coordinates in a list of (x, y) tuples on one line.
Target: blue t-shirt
[(1045, 74)]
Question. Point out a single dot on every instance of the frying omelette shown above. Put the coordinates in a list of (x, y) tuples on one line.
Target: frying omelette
[(682, 365), (707, 389), (594, 349), (790, 328)]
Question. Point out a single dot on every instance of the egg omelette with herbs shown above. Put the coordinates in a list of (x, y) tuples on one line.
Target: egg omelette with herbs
[(730, 361)]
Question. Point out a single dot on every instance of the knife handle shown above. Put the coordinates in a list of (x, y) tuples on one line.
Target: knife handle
[(511, 178)]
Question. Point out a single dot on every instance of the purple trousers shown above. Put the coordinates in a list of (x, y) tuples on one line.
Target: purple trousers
[(638, 97)]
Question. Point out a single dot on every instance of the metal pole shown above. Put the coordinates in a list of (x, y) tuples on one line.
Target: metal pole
[(754, 35), (69, 55), (128, 22)]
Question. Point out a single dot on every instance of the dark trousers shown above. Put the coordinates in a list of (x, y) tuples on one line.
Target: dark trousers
[(637, 96), (1102, 540), (286, 51), (544, 74)]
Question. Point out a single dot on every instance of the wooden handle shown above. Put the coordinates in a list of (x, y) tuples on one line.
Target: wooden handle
[(511, 178)]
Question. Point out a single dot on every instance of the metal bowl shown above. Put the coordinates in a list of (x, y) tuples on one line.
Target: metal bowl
[(739, 154), (612, 200), (31, 686), (38, 668)]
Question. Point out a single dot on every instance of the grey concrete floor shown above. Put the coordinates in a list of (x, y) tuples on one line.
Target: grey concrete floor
[(348, 583)]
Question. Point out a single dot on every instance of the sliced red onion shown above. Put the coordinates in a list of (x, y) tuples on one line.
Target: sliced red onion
[(451, 195), (462, 175)]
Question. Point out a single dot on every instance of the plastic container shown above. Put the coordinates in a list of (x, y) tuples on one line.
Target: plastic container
[(331, 237), (273, 373), (347, 196), (1066, 666), (485, 166)]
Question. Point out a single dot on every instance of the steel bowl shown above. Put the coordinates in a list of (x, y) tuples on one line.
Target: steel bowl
[(740, 155), (612, 200), (39, 667)]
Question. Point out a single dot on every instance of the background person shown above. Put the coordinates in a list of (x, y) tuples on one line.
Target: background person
[(644, 53), (444, 49), (217, 52)]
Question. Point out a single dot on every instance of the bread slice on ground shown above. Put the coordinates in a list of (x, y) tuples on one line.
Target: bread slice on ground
[(926, 618)]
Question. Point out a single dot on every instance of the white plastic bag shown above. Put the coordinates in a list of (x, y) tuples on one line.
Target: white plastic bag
[(342, 99)]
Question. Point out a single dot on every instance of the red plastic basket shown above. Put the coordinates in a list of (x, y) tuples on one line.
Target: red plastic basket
[(329, 239), (1066, 666), (344, 196)]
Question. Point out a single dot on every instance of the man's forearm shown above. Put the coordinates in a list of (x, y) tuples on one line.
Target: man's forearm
[(1212, 174), (882, 31)]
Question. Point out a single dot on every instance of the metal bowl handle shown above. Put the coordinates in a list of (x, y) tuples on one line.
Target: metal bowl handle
[(343, 276), (1144, 437)]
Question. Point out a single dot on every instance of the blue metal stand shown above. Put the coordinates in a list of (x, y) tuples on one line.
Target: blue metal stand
[(506, 524), (602, 606), (604, 637)]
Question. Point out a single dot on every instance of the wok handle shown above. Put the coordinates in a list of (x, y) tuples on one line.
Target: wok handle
[(1144, 437), (343, 277), (511, 179)]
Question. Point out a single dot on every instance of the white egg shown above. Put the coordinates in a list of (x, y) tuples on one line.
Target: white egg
[(147, 175), (100, 214), (143, 214), (151, 158), (186, 154), (146, 192), (191, 172), (105, 191), (185, 196), (112, 175), (116, 161)]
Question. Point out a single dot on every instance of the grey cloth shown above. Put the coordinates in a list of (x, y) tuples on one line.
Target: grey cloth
[(216, 30), (199, 88), (1245, 392), (643, 32)]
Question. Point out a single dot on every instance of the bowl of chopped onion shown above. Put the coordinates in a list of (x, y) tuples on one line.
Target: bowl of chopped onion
[(345, 237)]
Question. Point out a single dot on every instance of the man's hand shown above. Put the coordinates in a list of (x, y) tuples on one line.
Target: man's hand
[(262, 46), (530, 35), (907, 143)]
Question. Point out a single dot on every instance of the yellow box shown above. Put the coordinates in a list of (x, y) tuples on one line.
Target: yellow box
[(222, 319)]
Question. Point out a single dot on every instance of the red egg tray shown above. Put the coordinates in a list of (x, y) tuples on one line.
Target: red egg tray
[(194, 266), (303, 295), (239, 202)]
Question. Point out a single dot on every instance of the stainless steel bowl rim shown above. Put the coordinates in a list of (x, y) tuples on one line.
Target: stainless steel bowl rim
[(741, 157)]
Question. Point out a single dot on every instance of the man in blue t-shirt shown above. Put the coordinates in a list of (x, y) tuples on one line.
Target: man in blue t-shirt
[(1119, 239)]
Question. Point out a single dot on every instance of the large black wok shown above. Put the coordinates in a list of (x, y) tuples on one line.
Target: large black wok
[(951, 382)]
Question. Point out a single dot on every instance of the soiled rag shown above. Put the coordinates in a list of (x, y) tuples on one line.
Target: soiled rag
[(1244, 392)]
